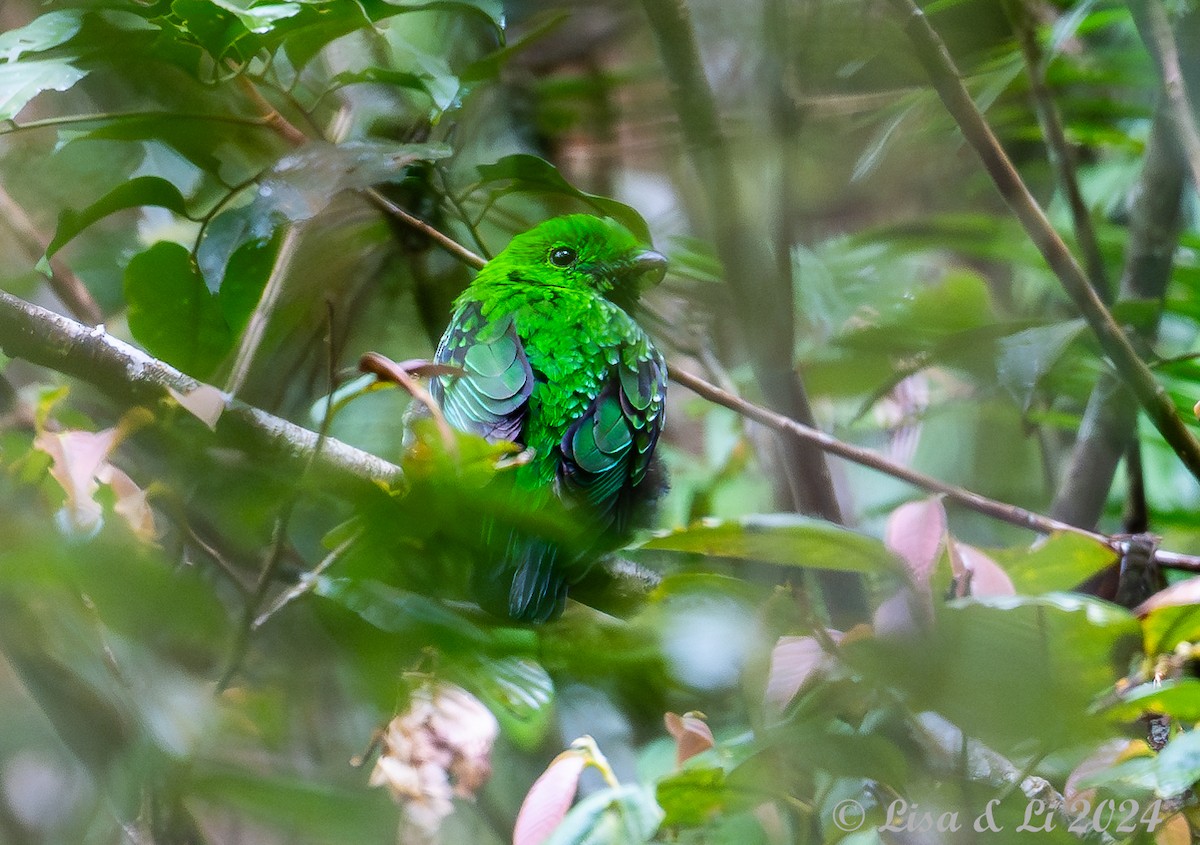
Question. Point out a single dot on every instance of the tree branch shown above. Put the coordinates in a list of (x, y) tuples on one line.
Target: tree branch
[(946, 80), (1110, 420), (127, 374), (980, 504)]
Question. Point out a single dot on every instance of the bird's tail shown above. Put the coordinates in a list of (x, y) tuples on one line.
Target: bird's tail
[(528, 584)]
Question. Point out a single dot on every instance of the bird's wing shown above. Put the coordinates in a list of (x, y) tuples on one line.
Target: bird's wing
[(608, 450), (492, 398)]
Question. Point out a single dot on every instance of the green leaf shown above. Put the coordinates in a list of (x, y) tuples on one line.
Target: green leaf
[(138, 192), (625, 814), (299, 187), (399, 612), (1173, 771), (258, 18), (20, 82), (1028, 355), (692, 797), (785, 540), (380, 76), (43, 33), (527, 173), (519, 692), (172, 313), (1178, 698), (313, 810), (488, 12), (245, 276), (1062, 561), (1166, 627)]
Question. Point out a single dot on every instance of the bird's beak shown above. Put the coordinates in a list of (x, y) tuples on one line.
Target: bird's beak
[(648, 268)]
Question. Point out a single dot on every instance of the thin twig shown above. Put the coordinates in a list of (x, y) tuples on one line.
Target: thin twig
[(447, 243), (257, 326), (998, 510), (386, 369), (306, 583), (65, 284), (1062, 157), (944, 74), (1156, 31)]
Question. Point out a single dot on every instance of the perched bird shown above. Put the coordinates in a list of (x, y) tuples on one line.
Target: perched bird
[(554, 361)]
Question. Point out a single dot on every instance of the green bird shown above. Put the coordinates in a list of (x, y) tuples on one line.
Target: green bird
[(554, 361)]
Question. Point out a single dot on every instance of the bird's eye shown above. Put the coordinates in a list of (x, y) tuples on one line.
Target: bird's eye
[(562, 256)]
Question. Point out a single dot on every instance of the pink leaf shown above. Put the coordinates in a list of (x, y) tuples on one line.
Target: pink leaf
[(905, 612), (548, 800), (692, 734), (205, 403), (915, 531), (793, 660), (78, 456), (987, 578), (131, 504), (1181, 593)]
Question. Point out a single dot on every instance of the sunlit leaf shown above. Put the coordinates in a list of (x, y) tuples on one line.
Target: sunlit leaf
[(783, 539), (693, 797), (1178, 698), (522, 172), (42, 33), (1060, 562), (20, 82)]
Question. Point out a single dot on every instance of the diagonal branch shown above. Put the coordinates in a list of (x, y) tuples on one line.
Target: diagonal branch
[(127, 374), (943, 73)]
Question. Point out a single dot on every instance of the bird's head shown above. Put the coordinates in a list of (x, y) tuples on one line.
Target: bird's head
[(583, 252)]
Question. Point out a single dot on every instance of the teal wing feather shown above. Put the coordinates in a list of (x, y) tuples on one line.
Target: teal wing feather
[(491, 399), (607, 452)]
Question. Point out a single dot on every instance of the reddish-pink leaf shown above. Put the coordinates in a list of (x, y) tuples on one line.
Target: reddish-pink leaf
[(987, 578), (692, 734), (793, 660), (548, 800), (1184, 592), (915, 531)]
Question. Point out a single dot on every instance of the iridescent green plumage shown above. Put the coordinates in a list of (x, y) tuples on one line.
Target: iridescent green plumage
[(554, 361)]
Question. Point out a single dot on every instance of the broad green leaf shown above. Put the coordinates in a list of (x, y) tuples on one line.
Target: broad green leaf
[(626, 814), (20, 82), (315, 810), (522, 172), (258, 18), (488, 12), (1060, 562), (995, 665), (172, 313), (43, 33), (300, 186), (520, 694), (1178, 698), (1028, 355), (1166, 627), (396, 611), (783, 539), (693, 797), (138, 192), (1173, 771), (245, 276)]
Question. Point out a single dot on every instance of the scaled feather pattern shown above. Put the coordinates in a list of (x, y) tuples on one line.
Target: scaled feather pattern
[(553, 360)]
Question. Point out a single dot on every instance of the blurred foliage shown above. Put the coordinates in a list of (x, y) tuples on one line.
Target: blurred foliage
[(196, 644)]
